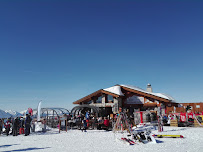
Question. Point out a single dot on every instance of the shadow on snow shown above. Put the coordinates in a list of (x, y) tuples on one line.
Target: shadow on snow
[(159, 141), (26, 149), (3, 146)]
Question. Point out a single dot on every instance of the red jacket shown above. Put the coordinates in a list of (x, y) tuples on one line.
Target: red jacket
[(7, 125), (106, 122)]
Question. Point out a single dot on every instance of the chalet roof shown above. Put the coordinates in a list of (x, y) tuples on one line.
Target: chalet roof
[(116, 91), (162, 95)]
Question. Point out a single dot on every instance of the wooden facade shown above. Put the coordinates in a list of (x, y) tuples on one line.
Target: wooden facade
[(147, 100), (195, 107)]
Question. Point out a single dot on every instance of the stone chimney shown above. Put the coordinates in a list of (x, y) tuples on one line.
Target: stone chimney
[(149, 88)]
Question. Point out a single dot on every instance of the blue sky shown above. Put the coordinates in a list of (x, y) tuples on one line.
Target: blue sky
[(61, 51)]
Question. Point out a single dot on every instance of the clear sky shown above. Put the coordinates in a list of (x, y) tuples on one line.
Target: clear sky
[(60, 51)]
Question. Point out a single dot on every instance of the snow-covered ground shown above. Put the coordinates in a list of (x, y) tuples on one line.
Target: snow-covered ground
[(101, 141)]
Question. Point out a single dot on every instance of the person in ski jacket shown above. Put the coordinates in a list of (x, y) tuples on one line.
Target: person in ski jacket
[(94, 121), (16, 124), (7, 126), (1, 125), (70, 121), (44, 125), (22, 124), (27, 124), (106, 123), (100, 123), (84, 125)]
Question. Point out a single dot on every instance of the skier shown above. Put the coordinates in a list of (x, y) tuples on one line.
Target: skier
[(27, 125), (71, 122), (84, 125), (78, 122), (7, 126), (94, 121), (15, 127), (44, 125), (1, 125), (22, 122), (87, 115)]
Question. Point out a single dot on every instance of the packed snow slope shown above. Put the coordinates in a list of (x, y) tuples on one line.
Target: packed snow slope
[(101, 141)]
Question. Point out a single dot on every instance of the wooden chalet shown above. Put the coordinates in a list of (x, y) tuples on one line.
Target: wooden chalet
[(128, 97)]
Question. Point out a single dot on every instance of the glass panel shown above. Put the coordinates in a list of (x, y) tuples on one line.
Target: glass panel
[(110, 99), (99, 99)]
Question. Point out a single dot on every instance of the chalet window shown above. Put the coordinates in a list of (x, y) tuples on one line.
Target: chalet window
[(89, 102), (110, 99), (99, 99)]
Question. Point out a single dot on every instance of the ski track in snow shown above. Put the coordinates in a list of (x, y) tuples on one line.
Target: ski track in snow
[(100, 141)]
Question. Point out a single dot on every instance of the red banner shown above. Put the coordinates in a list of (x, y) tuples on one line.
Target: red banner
[(183, 117)]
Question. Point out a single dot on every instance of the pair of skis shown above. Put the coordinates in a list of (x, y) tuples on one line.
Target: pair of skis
[(128, 141)]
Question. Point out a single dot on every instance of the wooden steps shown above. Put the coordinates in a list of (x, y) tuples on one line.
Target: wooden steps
[(174, 123)]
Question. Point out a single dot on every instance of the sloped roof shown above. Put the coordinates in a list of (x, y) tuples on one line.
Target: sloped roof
[(115, 90), (88, 97), (161, 95)]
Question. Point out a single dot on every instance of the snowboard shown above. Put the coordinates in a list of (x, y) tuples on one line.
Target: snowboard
[(167, 136)]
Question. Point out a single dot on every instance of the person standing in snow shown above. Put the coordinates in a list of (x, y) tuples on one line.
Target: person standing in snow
[(1, 125), (70, 121), (22, 122), (100, 123), (11, 120), (94, 121), (27, 124), (15, 126), (44, 125), (7, 126), (84, 125), (87, 115)]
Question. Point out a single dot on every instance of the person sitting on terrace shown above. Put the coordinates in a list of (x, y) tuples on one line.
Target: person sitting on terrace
[(106, 123), (100, 123)]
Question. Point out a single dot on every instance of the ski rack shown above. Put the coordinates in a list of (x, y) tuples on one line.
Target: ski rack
[(120, 122)]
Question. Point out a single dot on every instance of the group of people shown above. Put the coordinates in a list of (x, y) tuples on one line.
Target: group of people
[(85, 121), (22, 125), (18, 125)]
